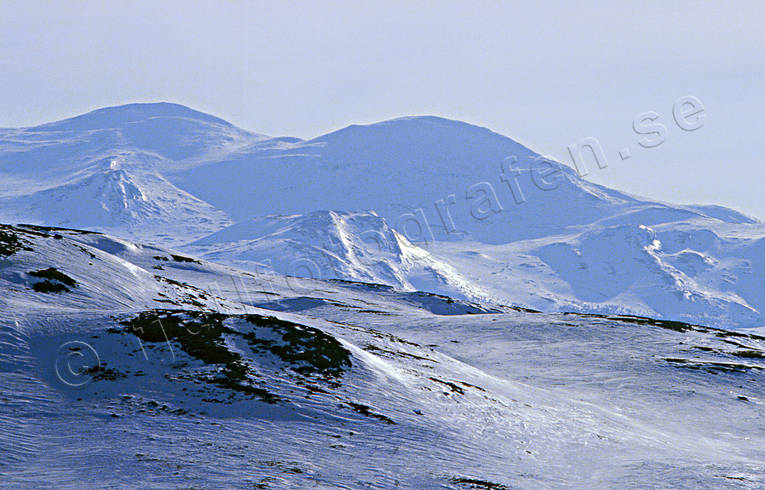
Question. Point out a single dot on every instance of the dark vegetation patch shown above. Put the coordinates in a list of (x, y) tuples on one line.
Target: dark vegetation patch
[(10, 242), (55, 281), (85, 250), (724, 334), (15, 238), (665, 324), (56, 229), (523, 310), (433, 295), (100, 373), (376, 312), (374, 348), (376, 333), (24, 230), (55, 275), (180, 284), (189, 298), (200, 335), (673, 325), (476, 483), (728, 333), (705, 348), (452, 386), (749, 354), (181, 258), (50, 287), (307, 352), (713, 367), (367, 411), (137, 404), (168, 301), (362, 285), (471, 386)]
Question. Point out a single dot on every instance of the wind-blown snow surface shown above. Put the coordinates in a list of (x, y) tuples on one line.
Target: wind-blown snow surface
[(153, 369), (495, 220)]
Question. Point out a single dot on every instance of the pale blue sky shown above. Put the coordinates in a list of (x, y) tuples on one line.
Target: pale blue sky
[(546, 74)]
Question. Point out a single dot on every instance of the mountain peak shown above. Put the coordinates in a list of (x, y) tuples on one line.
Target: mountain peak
[(328, 244), (430, 119), (118, 116), (425, 126)]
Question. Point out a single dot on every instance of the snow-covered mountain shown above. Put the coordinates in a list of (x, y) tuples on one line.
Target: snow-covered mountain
[(118, 196), (429, 177), (491, 219), (103, 170), (333, 245), (170, 132), (123, 362), (701, 271)]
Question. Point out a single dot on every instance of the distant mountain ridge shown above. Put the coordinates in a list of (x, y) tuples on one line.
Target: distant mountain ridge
[(498, 220)]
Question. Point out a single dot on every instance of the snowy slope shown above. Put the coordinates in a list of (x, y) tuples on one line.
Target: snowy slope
[(154, 369), (332, 245)]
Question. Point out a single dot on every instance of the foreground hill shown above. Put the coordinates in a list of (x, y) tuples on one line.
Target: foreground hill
[(127, 362)]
